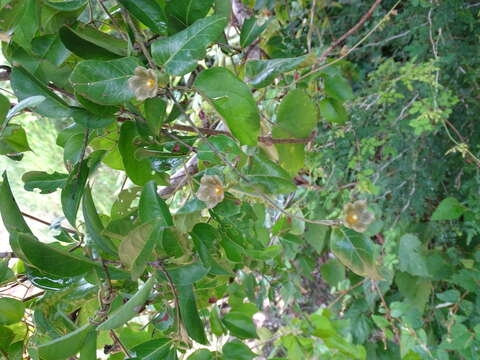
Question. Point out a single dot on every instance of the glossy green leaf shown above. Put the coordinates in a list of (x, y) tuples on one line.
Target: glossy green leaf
[(448, 209), (187, 274), (268, 176), (6, 274), (11, 311), (233, 100), (51, 259), (333, 111), (332, 272), (130, 309), (65, 346), (261, 73), (97, 109), (240, 325), (45, 182), (13, 139), (189, 314), (215, 321), (337, 87), (155, 349), (139, 171), (152, 207), (26, 85), (27, 24), (89, 120), (412, 256), (29, 102), (104, 82), (6, 338), (236, 350), (11, 216), (94, 226), (356, 251), (170, 242), (50, 48), (148, 12), (180, 53), (182, 13), (223, 8), (296, 118), (251, 31), (87, 42), (155, 114)]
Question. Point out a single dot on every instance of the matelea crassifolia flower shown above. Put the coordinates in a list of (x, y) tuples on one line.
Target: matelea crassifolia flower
[(210, 190), (144, 83), (356, 216)]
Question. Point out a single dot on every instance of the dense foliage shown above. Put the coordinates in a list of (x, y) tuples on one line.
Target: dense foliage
[(298, 179)]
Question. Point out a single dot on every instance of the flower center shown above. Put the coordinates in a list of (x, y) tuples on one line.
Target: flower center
[(150, 83), (218, 190), (352, 218)]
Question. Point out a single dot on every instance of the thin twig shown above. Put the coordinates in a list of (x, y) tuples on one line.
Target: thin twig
[(114, 22), (139, 39), (117, 341), (47, 223)]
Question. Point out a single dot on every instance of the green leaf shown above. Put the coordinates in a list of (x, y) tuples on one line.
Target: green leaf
[(333, 111), (6, 338), (28, 24), (224, 145), (154, 349), (448, 209), (415, 289), (240, 325), (152, 207), (337, 87), (65, 346), (189, 314), (332, 272), (132, 245), (11, 216), (45, 182), (11, 311), (130, 309), (139, 171), (50, 48), (182, 13), (236, 350), (223, 8), (4, 108), (202, 354), (87, 42), (155, 114), (89, 120), (187, 274), (261, 73), (179, 53), (104, 82), (411, 256), (25, 85), (215, 322), (233, 100), (268, 176), (251, 31), (356, 251), (13, 139), (148, 12), (89, 348), (67, 5), (29, 102), (51, 259), (296, 118), (94, 226)]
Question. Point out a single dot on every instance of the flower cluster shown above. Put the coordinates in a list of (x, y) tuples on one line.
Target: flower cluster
[(356, 216), (210, 190), (144, 83)]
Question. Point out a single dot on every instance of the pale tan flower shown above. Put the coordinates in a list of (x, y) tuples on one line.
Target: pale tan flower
[(210, 190), (144, 83), (356, 216)]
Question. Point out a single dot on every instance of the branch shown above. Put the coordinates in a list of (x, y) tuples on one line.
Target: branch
[(7, 255), (352, 30), (264, 139), (47, 223)]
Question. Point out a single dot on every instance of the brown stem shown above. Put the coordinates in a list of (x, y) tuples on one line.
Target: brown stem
[(47, 223), (352, 30), (118, 342)]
